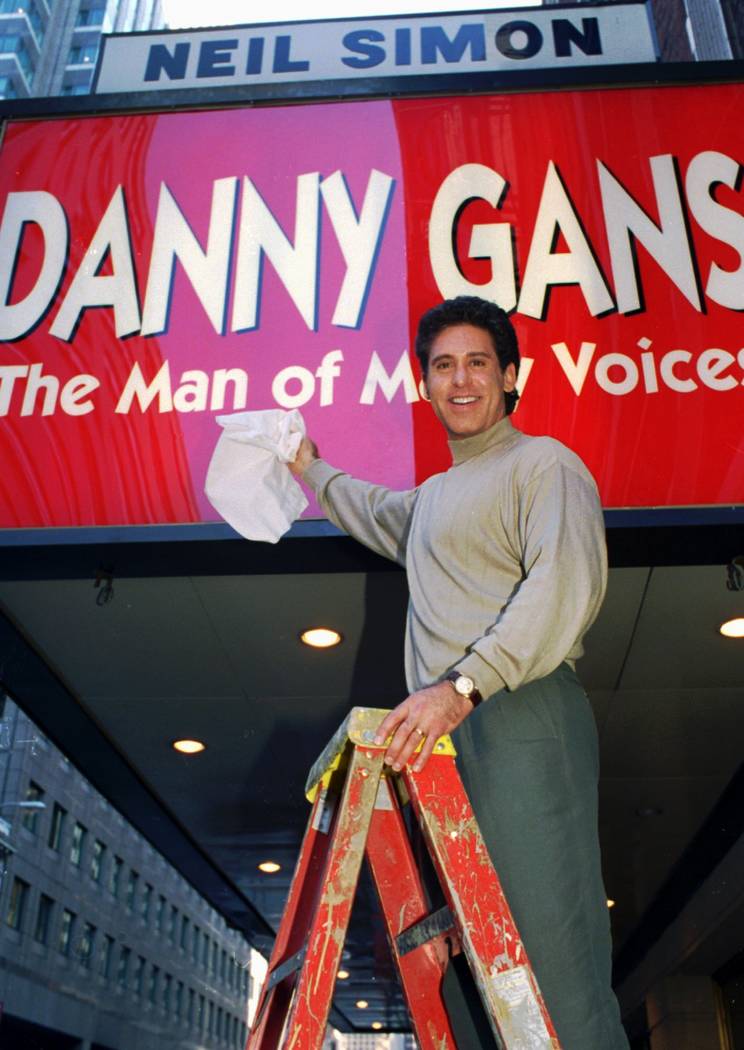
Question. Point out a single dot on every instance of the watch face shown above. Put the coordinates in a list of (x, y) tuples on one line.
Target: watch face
[(464, 685)]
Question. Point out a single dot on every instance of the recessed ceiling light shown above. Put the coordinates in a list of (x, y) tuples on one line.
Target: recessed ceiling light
[(733, 628), (189, 747), (343, 975), (610, 903), (269, 866), (377, 1025), (362, 1004), (320, 637)]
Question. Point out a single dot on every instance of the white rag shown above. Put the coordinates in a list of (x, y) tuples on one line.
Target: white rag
[(248, 482)]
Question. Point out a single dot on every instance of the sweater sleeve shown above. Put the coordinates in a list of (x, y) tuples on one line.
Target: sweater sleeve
[(376, 516), (564, 564)]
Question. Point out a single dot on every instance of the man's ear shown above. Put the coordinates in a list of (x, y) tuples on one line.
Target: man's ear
[(510, 377), (425, 388)]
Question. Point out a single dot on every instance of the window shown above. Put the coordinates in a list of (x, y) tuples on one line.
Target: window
[(178, 1003), (231, 973), (14, 44), (223, 966), (8, 88), (139, 970), (79, 833), (106, 953), (132, 888), (190, 1008), (96, 860), (195, 945), (218, 1030), (87, 944), (205, 951), (215, 951), (17, 903), (210, 1018), (43, 919), (152, 991), (90, 16), (159, 911), (173, 924), (83, 55), (57, 827), (115, 876), (76, 89), (167, 982), (145, 902), (201, 1017), (66, 931), (184, 932), (123, 967), (30, 818)]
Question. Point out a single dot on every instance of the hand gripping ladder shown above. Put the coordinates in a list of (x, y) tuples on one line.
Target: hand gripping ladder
[(357, 812)]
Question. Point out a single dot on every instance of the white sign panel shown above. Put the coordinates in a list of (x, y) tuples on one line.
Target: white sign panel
[(479, 42)]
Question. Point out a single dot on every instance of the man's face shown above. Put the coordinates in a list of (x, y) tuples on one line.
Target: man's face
[(465, 382)]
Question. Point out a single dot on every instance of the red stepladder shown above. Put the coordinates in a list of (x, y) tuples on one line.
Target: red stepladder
[(357, 812)]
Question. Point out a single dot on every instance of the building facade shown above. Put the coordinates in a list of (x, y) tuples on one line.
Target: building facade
[(50, 47), (102, 942)]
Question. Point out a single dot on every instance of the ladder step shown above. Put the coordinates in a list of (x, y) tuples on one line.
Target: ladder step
[(426, 930), (290, 965)]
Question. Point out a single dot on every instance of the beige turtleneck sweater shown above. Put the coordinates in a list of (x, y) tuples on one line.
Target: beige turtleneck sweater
[(504, 552)]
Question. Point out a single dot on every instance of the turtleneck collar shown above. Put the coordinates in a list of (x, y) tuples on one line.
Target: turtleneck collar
[(500, 435)]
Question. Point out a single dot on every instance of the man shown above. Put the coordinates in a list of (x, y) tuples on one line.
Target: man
[(506, 565)]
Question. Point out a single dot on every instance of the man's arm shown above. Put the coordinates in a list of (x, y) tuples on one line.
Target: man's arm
[(376, 516)]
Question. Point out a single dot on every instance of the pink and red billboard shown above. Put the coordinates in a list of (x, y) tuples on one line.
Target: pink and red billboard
[(157, 271)]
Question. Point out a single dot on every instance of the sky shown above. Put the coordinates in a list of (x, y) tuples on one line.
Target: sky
[(181, 14)]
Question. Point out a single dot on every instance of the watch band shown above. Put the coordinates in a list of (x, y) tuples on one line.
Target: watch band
[(465, 687)]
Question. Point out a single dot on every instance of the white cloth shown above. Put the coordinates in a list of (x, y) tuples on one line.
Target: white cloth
[(248, 482)]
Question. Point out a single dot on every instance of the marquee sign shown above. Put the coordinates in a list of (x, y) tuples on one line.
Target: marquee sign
[(354, 49), (212, 261)]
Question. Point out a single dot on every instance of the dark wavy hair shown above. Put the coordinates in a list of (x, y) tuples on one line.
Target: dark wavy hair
[(471, 309)]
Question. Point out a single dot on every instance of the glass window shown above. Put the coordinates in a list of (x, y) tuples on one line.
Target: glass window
[(96, 860), (201, 1016), (172, 924), (167, 982), (30, 818), (115, 876), (178, 1003), (17, 903), (43, 919), (195, 945), (76, 89), (87, 944), (132, 888), (57, 826), (210, 1018), (90, 16), (215, 951), (139, 970), (205, 950), (79, 833), (184, 932), (159, 912), (145, 902), (106, 953), (190, 1008), (123, 967), (8, 88), (83, 55), (152, 990), (223, 966), (66, 931)]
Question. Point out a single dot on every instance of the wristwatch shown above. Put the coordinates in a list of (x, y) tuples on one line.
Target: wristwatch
[(465, 687)]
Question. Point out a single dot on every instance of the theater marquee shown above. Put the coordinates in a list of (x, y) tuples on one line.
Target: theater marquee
[(216, 260)]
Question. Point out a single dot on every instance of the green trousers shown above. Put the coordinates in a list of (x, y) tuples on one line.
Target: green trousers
[(529, 762)]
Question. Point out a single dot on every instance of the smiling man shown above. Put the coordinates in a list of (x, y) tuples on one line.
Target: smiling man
[(506, 565)]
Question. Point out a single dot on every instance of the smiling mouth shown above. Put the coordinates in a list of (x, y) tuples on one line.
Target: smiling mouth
[(463, 400)]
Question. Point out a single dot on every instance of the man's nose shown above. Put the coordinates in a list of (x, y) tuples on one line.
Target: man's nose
[(460, 375)]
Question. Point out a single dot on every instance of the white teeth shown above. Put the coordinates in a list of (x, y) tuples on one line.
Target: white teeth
[(463, 400)]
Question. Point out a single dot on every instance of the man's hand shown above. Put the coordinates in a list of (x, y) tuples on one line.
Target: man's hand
[(425, 715), (306, 453)]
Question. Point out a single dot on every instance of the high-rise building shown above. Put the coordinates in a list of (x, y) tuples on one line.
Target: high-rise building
[(101, 939), (50, 47)]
